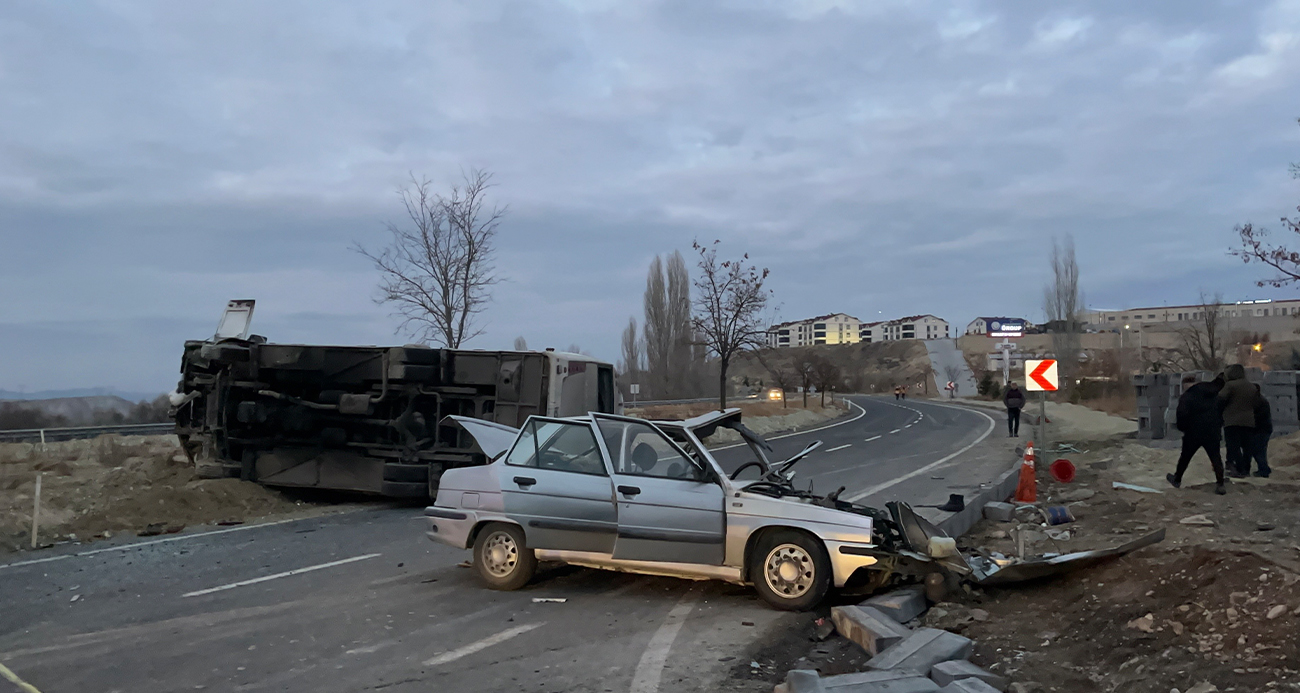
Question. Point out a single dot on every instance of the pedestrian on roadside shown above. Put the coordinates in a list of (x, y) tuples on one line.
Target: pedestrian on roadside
[(898, 392), (1237, 403), (1014, 400), (1259, 440), (1200, 421)]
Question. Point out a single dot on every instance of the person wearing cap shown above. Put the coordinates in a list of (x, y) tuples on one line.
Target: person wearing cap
[(1200, 421), (1014, 400)]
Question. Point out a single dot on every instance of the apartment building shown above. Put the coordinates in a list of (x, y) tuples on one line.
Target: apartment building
[(1118, 319), (836, 328), (871, 332), (914, 327)]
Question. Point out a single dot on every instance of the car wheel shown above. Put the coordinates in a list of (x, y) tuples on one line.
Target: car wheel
[(790, 570), (502, 558)]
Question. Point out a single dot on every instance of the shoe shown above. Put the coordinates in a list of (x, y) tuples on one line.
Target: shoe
[(1262, 475), (1173, 481), (1236, 475), (1220, 490)]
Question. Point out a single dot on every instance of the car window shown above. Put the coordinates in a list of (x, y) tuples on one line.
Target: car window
[(638, 449), (562, 446)]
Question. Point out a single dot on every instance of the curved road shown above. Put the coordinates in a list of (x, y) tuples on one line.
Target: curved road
[(362, 601)]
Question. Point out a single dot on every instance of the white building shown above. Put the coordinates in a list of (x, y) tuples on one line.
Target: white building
[(871, 332), (836, 328), (914, 327), (995, 326), (1118, 319)]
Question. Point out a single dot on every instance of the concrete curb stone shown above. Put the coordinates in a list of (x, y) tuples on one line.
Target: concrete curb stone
[(945, 673), (867, 626), (901, 681), (902, 605), (923, 649), (968, 686)]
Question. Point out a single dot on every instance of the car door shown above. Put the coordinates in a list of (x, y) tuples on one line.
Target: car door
[(669, 507), (556, 485)]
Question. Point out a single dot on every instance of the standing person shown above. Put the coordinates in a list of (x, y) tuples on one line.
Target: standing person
[(898, 392), (1237, 402), (1259, 440), (1014, 399), (1200, 421)]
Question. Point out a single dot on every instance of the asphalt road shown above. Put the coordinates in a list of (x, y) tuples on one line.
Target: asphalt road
[(362, 601)]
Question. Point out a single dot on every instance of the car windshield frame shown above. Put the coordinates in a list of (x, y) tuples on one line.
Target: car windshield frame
[(712, 469)]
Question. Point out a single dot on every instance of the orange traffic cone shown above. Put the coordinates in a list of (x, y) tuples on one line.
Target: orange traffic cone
[(1027, 488)]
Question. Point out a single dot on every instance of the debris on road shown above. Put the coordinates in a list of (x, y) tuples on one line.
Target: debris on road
[(549, 600), (1134, 487)]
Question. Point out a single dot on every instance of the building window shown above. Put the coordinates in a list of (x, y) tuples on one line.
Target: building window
[(819, 326)]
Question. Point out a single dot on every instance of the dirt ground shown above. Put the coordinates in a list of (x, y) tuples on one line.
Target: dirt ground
[(113, 485)]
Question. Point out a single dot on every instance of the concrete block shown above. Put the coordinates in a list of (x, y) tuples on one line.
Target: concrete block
[(879, 682), (902, 605), (968, 686), (1281, 377), (872, 630), (945, 673), (999, 511), (923, 649), (800, 681)]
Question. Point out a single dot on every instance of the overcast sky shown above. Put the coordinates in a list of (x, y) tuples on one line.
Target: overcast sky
[(882, 157)]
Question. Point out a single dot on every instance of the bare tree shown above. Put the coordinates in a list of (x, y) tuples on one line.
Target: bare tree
[(782, 375), (826, 375), (1205, 343), (631, 352), (521, 344), (681, 368), (728, 308), (438, 272), (1255, 247), (804, 367), (1062, 303), (656, 329)]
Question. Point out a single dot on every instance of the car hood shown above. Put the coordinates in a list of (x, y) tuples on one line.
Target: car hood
[(492, 438)]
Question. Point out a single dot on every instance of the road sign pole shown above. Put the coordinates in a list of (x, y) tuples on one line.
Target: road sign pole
[(1042, 422)]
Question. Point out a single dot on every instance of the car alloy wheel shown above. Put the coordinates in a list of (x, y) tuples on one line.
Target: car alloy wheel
[(789, 571), (500, 555)]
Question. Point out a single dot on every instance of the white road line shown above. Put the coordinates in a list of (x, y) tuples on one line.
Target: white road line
[(861, 413), (896, 430), (483, 644), (917, 472), (841, 447), (138, 544), (873, 438), (287, 573), (651, 667)]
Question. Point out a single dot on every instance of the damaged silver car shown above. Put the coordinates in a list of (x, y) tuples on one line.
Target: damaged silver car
[(619, 493)]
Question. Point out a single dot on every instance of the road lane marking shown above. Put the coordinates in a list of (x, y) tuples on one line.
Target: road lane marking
[(287, 573), (651, 667), (861, 413), (896, 430), (13, 678), (483, 644), (873, 438), (916, 472), (138, 544), (846, 445)]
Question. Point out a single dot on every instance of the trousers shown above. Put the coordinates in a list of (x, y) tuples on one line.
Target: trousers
[(1013, 421), (1238, 441), (1193, 443), (1259, 451)]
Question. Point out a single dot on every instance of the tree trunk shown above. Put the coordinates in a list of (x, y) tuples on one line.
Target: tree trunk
[(823, 399), (783, 404), (722, 384)]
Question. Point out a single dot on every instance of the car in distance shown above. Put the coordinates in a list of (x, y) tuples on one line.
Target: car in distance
[(619, 493)]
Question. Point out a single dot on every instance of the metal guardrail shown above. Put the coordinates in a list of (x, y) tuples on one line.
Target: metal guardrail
[(656, 402), (39, 435)]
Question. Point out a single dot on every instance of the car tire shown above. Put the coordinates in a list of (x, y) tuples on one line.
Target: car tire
[(502, 557), (790, 570)]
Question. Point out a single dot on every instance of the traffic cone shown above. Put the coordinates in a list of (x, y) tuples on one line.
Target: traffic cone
[(1027, 488)]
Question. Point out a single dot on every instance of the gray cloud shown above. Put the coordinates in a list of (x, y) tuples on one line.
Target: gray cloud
[(881, 157)]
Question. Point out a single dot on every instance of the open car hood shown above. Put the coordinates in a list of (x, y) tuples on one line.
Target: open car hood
[(492, 438)]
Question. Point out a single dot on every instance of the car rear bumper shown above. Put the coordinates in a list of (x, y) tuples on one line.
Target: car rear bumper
[(450, 526)]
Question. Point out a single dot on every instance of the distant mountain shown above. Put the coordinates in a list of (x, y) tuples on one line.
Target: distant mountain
[(82, 392)]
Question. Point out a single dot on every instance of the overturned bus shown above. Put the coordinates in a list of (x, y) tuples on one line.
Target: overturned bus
[(362, 418)]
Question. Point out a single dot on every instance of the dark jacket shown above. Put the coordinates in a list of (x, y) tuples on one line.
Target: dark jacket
[(1263, 415), (1237, 398), (1014, 398), (1198, 412)]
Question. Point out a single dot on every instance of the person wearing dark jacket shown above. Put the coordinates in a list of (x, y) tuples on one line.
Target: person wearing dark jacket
[(1200, 421), (1014, 399), (1237, 404), (1259, 439)]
